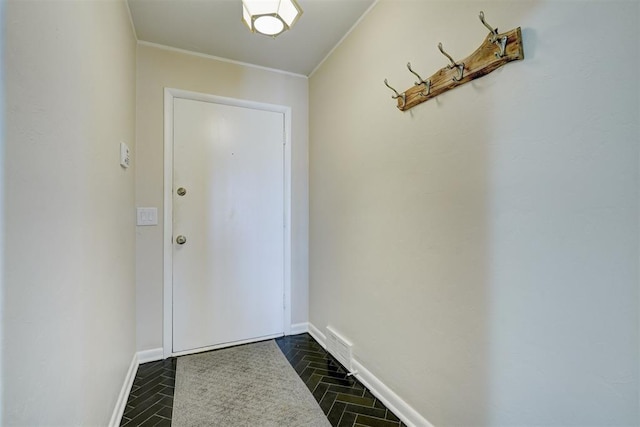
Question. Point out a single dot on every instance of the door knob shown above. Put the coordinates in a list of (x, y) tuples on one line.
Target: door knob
[(181, 240), (181, 191)]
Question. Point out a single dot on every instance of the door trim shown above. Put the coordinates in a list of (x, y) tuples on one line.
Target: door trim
[(169, 95)]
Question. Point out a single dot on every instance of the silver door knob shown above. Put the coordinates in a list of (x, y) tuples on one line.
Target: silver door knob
[(181, 240), (181, 191)]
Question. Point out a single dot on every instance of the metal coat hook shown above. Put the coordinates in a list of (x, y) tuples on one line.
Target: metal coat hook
[(426, 83), (500, 42), (397, 95), (460, 66), (494, 31), (496, 50)]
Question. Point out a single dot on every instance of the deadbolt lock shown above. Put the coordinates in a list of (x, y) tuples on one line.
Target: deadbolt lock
[(181, 240), (181, 191)]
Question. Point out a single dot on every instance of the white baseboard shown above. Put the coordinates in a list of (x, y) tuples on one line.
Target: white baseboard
[(391, 400), (317, 335), (299, 328), (150, 355), (121, 403), (138, 358)]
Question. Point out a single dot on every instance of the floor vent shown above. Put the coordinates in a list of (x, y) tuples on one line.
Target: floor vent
[(339, 348)]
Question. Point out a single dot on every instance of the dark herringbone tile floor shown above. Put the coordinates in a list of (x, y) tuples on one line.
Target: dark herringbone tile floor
[(343, 399), (150, 402)]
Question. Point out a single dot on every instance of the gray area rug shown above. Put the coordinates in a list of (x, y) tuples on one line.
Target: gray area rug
[(247, 385)]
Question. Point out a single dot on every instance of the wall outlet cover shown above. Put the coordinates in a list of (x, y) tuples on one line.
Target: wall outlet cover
[(147, 216)]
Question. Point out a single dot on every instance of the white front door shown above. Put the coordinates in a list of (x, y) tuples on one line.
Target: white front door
[(228, 273)]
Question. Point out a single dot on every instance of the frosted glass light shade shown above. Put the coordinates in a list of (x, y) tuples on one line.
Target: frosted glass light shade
[(270, 17)]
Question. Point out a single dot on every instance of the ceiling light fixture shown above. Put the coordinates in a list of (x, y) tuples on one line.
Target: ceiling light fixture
[(270, 17)]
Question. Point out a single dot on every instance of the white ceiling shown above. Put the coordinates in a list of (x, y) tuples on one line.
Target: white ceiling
[(215, 27)]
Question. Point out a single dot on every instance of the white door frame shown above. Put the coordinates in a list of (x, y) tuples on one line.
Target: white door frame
[(169, 95)]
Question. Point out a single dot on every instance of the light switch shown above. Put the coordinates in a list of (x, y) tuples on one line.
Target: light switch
[(124, 155), (147, 216)]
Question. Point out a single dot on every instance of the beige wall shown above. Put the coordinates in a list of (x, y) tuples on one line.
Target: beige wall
[(481, 250), (69, 284), (159, 68)]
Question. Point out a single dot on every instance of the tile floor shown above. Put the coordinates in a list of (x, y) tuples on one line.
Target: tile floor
[(343, 399), (150, 402)]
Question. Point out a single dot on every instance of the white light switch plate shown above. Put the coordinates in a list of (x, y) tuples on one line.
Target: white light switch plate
[(125, 158), (147, 216)]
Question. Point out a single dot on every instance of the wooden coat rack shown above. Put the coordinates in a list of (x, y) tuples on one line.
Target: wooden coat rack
[(494, 52)]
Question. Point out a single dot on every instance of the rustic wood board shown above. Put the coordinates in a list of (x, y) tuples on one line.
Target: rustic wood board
[(478, 64)]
